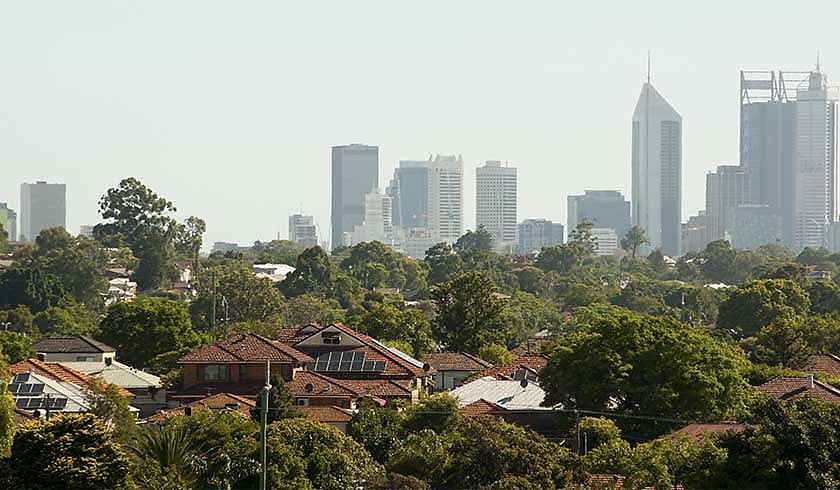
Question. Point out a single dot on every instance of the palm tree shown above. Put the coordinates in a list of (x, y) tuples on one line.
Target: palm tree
[(171, 450)]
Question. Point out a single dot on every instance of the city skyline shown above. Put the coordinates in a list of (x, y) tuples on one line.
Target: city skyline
[(88, 113)]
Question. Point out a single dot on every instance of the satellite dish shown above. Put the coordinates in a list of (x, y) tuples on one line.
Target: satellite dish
[(308, 388), (426, 367), (524, 383)]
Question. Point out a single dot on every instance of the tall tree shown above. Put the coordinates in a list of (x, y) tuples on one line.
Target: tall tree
[(312, 274), (758, 303), (188, 238), (247, 298), (444, 264), (480, 239), (469, 312), (281, 403), (634, 239)]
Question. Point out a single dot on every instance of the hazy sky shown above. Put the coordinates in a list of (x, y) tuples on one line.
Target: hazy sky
[(230, 108)]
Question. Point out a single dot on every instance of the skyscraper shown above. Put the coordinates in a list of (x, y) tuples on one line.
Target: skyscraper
[(409, 191), (657, 170), (446, 205), (376, 224), (42, 206), (302, 230), (726, 189), (355, 172), (788, 148), (495, 200), (605, 209), (534, 234), (8, 219)]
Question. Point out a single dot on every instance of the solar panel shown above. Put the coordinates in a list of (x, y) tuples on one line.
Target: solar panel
[(37, 388), (34, 403), (21, 378), (21, 403), (358, 361), (25, 389), (335, 361), (322, 361), (379, 365), (60, 403), (14, 387)]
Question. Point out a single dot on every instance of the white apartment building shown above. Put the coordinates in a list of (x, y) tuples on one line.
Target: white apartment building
[(377, 220), (495, 199), (607, 241), (446, 197)]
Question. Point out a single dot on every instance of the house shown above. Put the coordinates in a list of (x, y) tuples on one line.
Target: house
[(524, 367), (827, 364), (219, 401), (509, 394), (453, 367), (121, 289), (236, 365), (481, 407), (333, 416), (696, 431), (41, 395), (273, 272), (360, 362), (93, 358), (58, 372), (786, 388)]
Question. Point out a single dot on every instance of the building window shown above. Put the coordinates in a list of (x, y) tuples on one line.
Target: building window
[(331, 338), (212, 372), (302, 402)]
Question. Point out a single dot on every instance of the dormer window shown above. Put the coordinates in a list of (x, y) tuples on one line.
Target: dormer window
[(331, 338)]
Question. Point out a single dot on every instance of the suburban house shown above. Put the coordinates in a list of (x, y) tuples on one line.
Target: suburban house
[(827, 364), (786, 388), (481, 407), (334, 416), (217, 402), (94, 358), (697, 431), (452, 368), (509, 394), (524, 367)]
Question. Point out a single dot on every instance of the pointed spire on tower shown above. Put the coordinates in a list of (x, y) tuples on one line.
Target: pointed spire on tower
[(818, 60), (648, 66)]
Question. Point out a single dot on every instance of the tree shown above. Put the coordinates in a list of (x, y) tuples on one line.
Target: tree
[(70, 320), (758, 303), (495, 354), (107, 402), (377, 429), (480, 239), (29, 286), (147, 327), (276, 252), (444, 264), (568, 257), (312, 274), (7, 405), (468, 309), (309, 308), (386, 317), (77, 263), (306, 454), (15, 346), (824, 296), (619, 360), (634, 239), (281, 403), (68, 451), (165, 456), (784, 342), (4, 239), (425, 455), (19, 319), (188, 238), (239, 293)]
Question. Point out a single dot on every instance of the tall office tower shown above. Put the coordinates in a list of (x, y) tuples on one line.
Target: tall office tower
[(376, 223), (355, 172), (788, 147), (534, 234), (8, 220), (446, 204), (42, 206), (409, 191), (657, 170), (302, 230), (694, 233), (726, 189), (605, 209), (495, 201)]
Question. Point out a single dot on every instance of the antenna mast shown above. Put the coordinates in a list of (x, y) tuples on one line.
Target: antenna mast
[(648, 68)]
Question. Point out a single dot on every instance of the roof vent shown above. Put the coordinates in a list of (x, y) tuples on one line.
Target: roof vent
[(308, 388), (809, 381), (109, 361), (231, 406)]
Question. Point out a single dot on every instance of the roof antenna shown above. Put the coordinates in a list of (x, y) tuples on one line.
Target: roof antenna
[(818, 60), (648, 72)]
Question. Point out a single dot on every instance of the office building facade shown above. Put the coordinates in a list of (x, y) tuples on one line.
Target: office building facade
[(657, 170), (42, 206), (355, 172), (409, 191), (446, 197), (302, 230), (495, 201), (726, 188), (603, 208), (8, 220), (534, 234)]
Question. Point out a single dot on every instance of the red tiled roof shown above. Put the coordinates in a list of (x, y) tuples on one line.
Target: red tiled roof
[(455, 361), (321, 385), (58, 372), (695, 431), (327, 414), (529, 348), (379, 387), (247, 347), (827, 364), (789, 388), (532, 363), (250, 388), (219, 401), (481, 407)]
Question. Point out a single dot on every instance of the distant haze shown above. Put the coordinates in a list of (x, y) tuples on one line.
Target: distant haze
[(229, 109)]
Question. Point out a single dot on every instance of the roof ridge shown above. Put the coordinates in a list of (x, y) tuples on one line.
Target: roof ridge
[(331, 381)]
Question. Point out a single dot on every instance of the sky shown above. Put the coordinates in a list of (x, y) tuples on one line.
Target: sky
[(229, 109)]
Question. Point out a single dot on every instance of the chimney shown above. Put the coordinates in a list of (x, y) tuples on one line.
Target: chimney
[(809, 381)]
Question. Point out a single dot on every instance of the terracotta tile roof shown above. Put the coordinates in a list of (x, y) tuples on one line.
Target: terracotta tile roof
[(248, 388), (379, 387), (327, 414), (321, 385), (827, 364), (455, 361), (79, 344), (789, 388), (481, 407), (613, 482), (532, 363), (529, 348), (695, 431), (219, 401), (244, 348), (58, 372)]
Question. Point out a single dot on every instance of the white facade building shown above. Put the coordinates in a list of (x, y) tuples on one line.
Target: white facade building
[(302, 230), (446, 197), (377, 220), (607, 241), (495, 201), (657, 170)]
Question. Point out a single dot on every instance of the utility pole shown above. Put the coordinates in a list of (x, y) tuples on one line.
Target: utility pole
[(263, 426), (577, 429), (213, 307)]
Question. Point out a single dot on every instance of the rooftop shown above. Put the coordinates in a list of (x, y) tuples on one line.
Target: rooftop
[(455, 361), (789, 388), (219, 401), (81, 344), (509, 394), (56, 371), (246, 348)]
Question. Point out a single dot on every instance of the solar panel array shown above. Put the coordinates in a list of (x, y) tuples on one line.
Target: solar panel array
[(34, 403), (344, 362), (26, 389)]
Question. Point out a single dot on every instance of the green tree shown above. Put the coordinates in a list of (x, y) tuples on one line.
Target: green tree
[(69, 320), (425, 455), (15, 346), (634, 239), (480, 239), (4, 239), (77, 263), (386, 317), (147, 327), (165, 456), (19, 319), (444, 264), (718, 261), (239, 293), (107, 402), (647, 365), (188, 238), (468, 310), (276, 252), (68, 451), (312, 274), (309, 308), (377, 429), (281, 403), (7, 405), (784, 342), (31, 287), (496, 354), (824, 296), (758, 303)]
